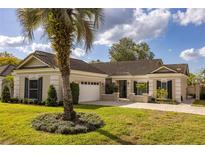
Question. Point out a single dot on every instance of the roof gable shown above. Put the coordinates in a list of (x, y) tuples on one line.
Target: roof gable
[(173, 68), (6, 69), (164, 69), (45, 59), (33, 62)]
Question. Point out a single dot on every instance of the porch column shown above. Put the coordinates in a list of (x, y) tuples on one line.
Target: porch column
[(197, 91), (151, 87), (178, 90), (102, 88), (16, 86), (129, 90)]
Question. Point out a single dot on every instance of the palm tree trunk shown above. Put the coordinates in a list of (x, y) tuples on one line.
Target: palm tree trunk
[(62, 43), (69, 113)]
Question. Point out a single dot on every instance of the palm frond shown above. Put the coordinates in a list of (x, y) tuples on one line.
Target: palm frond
[(30, 19)]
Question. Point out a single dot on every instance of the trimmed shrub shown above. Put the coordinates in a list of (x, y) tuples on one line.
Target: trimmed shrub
[(53, 123), (52, 97), (75, 92), (5, 96), (14, 100), (27, 101), (111, 88)]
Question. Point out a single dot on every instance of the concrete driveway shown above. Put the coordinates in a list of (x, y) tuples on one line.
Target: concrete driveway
[(184, 108)]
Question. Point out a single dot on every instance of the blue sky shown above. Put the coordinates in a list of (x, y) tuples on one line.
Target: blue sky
[(174, 35)]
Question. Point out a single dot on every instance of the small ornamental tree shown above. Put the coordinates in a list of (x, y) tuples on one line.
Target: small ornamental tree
[(141, 86), (75, 92), (6, 97), (52, 96), (9, 81), (162, 93)]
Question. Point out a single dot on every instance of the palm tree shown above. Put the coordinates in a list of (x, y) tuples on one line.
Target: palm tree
[(65, 28)]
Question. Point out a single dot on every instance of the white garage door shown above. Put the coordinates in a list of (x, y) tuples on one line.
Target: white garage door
[(89, 91)]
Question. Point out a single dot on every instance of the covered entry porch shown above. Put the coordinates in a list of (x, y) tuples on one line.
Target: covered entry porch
[(143, 88)]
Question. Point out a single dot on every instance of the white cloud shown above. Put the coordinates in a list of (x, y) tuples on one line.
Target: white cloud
[(190, 16), (202, 51), (39, 46), (170, 50), (145, 25), (18, 43), (192, 54), (78, 53), (6, 41), (189, 54)]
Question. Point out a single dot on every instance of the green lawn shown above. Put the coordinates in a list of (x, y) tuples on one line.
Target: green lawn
[(199, 103), (123, 126)]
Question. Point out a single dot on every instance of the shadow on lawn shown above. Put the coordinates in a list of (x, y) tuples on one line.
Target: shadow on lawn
[(114, 137), (88, 106)]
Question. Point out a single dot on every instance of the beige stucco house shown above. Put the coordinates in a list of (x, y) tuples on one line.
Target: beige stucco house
[(40, 70)]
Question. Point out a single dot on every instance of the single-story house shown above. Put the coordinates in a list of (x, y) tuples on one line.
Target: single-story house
[(4, 71), (39, 70)]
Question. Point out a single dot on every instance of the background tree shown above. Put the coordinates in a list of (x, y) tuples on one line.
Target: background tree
[(191, 79), (197, 77), (126, 49), (65, 28), (7, 58), (200, 76), (142, 50)]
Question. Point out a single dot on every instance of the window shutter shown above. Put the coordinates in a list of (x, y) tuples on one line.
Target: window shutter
[(169, 89), (26, 88), (158, 84), (40, 87), (148, 87)]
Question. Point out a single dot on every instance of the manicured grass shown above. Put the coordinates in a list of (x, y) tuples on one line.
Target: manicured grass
[(122, 126), (199, 103)]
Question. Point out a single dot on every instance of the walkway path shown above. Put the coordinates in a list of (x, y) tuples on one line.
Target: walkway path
[(185, 108)]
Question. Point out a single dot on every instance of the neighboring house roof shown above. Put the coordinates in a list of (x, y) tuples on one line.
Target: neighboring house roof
[(6, 69), (51, 60), (138, 67)]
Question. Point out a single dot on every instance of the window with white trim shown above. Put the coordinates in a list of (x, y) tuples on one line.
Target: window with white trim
[(33, 89)]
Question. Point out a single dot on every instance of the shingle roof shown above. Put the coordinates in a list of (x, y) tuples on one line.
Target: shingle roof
[(6, 69), (180, 68), (138, 67), (76, 64)]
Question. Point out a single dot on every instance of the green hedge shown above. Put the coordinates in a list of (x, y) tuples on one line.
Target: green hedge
[(5, 96), (75, 92)]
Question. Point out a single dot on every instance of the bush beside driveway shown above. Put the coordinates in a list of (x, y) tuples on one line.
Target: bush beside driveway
[(199, 103)]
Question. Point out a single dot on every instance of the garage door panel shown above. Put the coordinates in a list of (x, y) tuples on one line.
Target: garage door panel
[(89, 93)]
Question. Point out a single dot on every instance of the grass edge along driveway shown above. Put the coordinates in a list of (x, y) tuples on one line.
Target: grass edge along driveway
[(122, 126)]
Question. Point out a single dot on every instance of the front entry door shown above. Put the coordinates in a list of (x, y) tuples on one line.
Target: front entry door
[(123, 88)]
